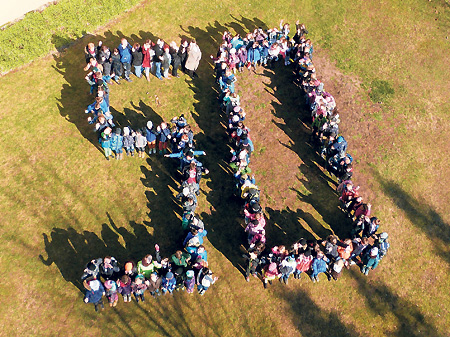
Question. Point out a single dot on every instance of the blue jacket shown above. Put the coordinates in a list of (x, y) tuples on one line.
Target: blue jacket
[(370, 262), (105, 143), (168, 285), (125, 53), (200, 236), (150, 135), (116, 142), (319, 265), (163, 134), (94, 296)]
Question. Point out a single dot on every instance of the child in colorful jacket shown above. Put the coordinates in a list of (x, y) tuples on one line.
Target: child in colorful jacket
[(94, 293), (117, 143), (370, 260), (138, 288), (111, 292), (124, 284)]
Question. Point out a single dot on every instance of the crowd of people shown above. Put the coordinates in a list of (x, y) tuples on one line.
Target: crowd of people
[(188, 266), (106, 67), (364, 246)]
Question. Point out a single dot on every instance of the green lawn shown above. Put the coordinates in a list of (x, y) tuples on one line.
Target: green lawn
[(62, 203)]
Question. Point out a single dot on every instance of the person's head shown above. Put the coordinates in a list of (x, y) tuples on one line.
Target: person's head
[(200, 249), (178, 254), (154, 277), (107, 260), (123, 42), (192, 165), (138, 280), (128, 268), (147, 259), (116, 51), (332, 239), (101, 119), (365, 241), (163, 125), (194, 231), (91, 46), (193, 42), (136, 46), (125, 279)]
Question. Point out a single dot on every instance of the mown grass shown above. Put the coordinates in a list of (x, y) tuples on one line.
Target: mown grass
[(62, 203)]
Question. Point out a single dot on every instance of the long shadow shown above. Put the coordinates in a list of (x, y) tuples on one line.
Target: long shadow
[(310, 319), (222, 220), (421, 215), (320, 187), (381, 300), (75, 95), (287, 226)]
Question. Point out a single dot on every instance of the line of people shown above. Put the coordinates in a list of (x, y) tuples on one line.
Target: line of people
[(364, 246), (188, 266), (105, 66)]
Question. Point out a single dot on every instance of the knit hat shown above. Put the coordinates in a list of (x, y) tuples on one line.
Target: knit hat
[(95, 285), (374, 251), (169, 275), (190, 274), (235, 118), (118, 131), (149, 124)]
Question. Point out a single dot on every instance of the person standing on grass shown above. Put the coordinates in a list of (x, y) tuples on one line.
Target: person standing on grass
[(270, 273), (163, 133), (138, 288), (141, 143), (158, 58), (150, 134), (147, 53), (176, 59), (105, 142), (318, 266), (128, 140), (182, 53), (94, 293), (194, 56), (116, 66), (168, 283), (111, 293), (167, 59), (205, 280), (137, 55), (125, 57), (370, 261), (124, 284), (117, 143)]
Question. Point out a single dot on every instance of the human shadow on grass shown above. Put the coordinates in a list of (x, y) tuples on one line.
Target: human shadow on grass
[(381, 300), (421, 215), (222, 221), (310, 319), (319, 187), (286, 226)]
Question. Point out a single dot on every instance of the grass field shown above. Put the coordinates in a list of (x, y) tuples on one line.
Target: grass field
[(63, 204)]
